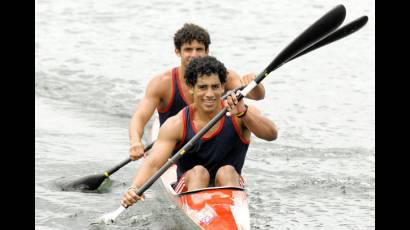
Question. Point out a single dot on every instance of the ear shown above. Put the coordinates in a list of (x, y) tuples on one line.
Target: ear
[(191, 90), (178, 52)]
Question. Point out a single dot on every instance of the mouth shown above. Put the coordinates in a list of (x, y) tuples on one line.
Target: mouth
[(209, 102)]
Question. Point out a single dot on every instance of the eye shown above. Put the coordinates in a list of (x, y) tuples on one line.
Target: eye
[(216, 86)]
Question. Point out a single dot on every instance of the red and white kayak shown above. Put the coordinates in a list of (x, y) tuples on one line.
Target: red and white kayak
[(209, 208)]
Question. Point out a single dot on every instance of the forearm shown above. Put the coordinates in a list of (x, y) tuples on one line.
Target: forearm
[(139, 119), (168, 136), (146, 171), (259, 125), (136, 129), (257, 93)]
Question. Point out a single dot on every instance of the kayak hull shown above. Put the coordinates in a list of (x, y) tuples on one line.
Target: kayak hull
[(209, 208)]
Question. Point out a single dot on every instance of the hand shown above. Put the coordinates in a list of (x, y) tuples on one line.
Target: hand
[(131, 197), (233, 105), (136, 150), (246, 79)]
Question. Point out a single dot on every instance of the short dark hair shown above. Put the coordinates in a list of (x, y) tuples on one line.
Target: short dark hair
[(204, 66), (190, 32)]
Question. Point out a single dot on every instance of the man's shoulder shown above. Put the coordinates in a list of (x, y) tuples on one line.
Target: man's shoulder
[(174, 125), (233, 80), (163, 77), (177, 118), (231, 72), (160, 82)]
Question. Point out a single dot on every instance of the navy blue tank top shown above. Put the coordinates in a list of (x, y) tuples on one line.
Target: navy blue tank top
[(225, 146), (177, 101)]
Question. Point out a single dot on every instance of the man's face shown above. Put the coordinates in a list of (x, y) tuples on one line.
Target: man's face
[(191, 50), (207, 92)]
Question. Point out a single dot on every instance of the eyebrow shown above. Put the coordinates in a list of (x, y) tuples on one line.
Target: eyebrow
[(217, 84)]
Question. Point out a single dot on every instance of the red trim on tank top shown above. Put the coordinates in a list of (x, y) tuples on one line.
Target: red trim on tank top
[(184, 133), (238, 131), (217, 131), (172, 94), (180, 87)]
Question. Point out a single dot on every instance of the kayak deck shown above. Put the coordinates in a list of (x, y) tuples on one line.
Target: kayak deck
[(210, 208)]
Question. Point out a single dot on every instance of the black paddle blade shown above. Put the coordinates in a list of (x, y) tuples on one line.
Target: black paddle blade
[(86, 183), (338, 34), (321, 28), (332, 37)]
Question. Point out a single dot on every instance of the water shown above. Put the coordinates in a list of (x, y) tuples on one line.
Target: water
[(93, 60)]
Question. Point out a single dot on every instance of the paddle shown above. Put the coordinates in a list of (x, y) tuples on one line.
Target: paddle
[(332, 37), (314, 33), (337, 34), (94, 181)]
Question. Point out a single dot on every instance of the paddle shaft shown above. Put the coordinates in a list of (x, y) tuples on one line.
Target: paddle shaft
[(181, 152), (126, 161), (311, 35)]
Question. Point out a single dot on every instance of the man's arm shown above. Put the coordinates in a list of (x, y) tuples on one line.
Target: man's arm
[(233, 81), (259, 125), (141, 116), (257, 93), (252, 118), (169, 135)]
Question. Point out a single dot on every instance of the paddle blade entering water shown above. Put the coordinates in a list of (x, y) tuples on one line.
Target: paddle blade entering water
[(109, 218), (88, 183)]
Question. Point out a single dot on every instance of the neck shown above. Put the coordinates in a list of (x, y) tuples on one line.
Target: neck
[(181, 73), (205, 115)]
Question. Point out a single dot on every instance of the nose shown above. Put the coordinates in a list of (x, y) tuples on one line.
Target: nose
[(209, 93), (194, 53)]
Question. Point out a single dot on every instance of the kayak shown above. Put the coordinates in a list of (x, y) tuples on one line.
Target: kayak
[(209, 208)]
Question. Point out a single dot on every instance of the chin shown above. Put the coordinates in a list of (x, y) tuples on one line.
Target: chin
[(208, 108)]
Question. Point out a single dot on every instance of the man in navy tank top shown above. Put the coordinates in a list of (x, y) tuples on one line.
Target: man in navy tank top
[(168, 92), (218, 157)]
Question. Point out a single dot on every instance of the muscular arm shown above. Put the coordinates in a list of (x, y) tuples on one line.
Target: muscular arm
[(259, 125), (169, 135), (234, 81), (144, 110), (253, 120), (257, 93)]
